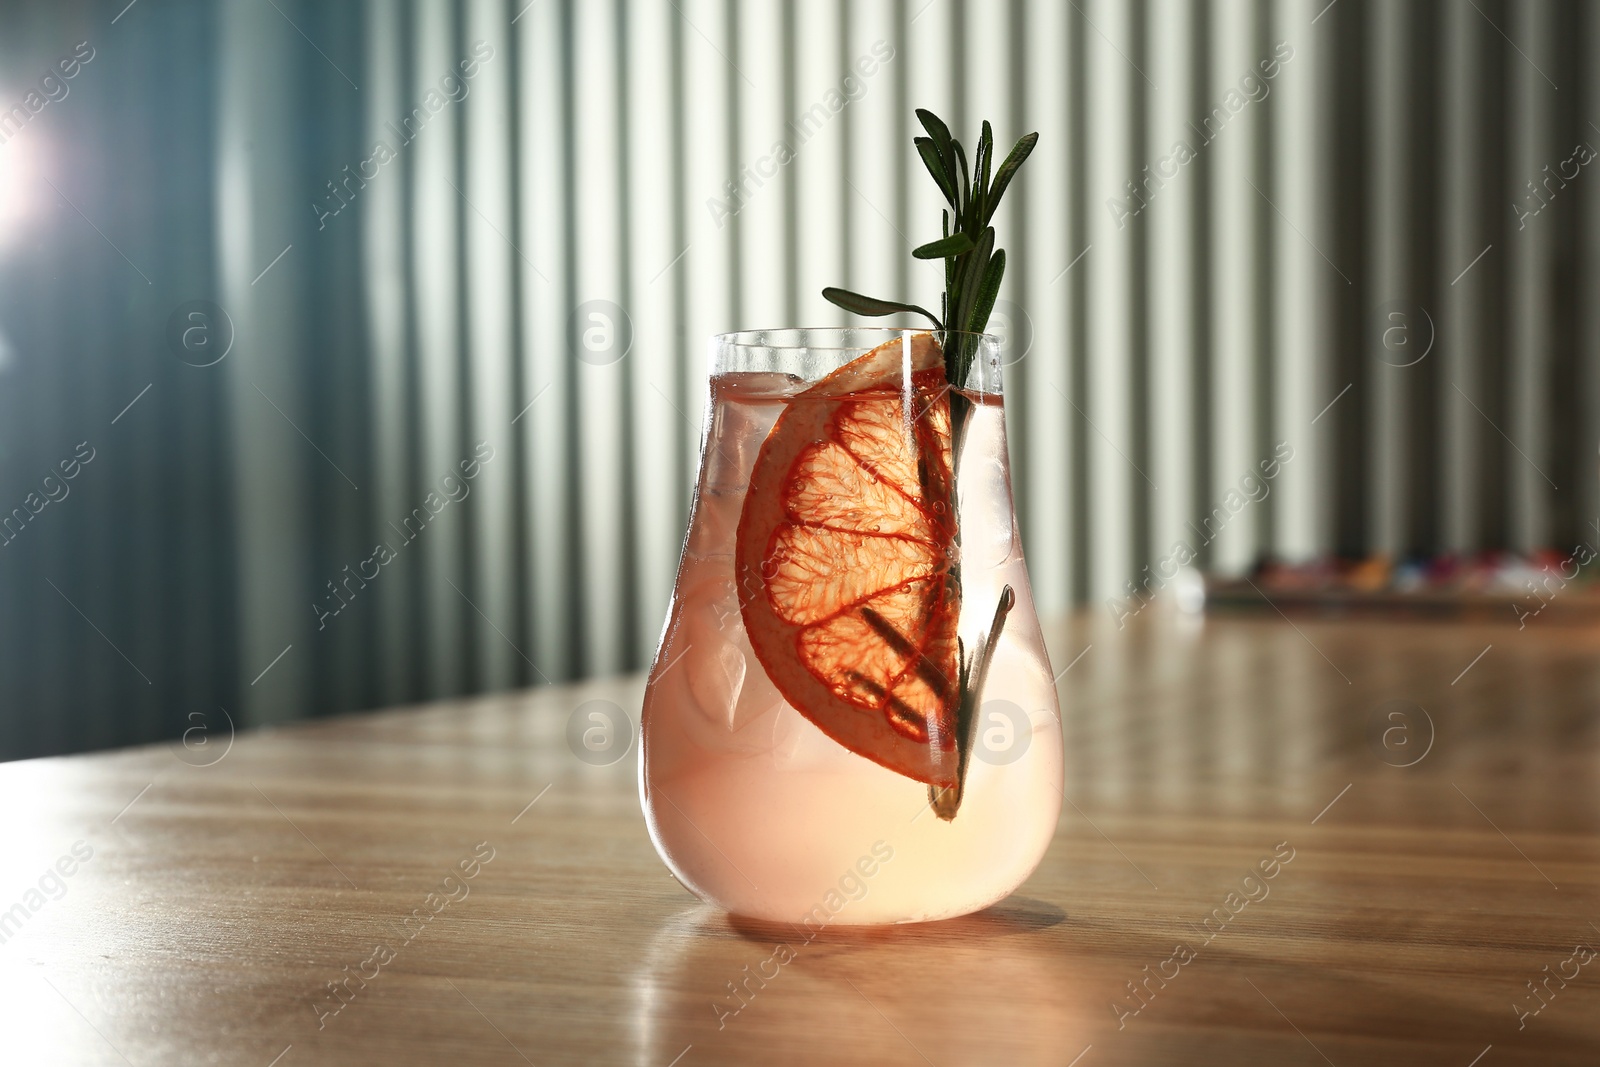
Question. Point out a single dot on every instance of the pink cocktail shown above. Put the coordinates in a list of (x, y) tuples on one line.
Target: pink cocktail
[(851, 717)]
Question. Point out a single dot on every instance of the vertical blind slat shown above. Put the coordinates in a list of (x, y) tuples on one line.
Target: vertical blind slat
[(487, 190), (385, 303), (1532, 275), (1461, 324), (1297, 345), (1229, 124), (597, 331), (1106, 405), (654, 362), (547, 368), (437, 539), (1171, 187), (1038, 377)]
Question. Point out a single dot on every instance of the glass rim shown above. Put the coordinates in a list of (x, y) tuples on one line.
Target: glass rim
[(792, 337)]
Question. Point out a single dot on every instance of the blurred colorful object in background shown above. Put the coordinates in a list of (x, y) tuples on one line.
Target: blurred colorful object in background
[(1544, 584)]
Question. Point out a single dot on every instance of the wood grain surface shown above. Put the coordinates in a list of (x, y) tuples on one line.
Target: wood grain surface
[(228, 882)]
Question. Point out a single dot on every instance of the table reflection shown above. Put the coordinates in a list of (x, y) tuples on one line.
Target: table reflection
[(752, 992)]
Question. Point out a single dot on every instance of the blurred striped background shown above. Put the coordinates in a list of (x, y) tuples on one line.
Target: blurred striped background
[(536, 260)]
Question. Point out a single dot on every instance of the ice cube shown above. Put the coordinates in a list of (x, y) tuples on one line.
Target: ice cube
[(714, 664), (744, 407)]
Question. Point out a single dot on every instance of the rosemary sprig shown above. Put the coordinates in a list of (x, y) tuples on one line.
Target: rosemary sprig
[(973, 266), (973, 270)]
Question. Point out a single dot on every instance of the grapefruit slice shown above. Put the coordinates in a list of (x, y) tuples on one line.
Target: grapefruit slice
[(843, 560)]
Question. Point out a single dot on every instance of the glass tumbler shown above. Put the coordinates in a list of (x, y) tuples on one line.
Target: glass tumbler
[(851, 717)]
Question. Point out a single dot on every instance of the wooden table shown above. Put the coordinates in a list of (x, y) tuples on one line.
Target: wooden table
[(220, 900)]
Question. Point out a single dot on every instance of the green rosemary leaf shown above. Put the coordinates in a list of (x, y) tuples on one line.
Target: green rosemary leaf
[(959, 355), (983, 162), (867, 305), (963, 213), (953, 245), (980, 213), (940, 133), (949, 264), (1008, 169), (972, 267), (933, 124), (930, 157), (987, 292)]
